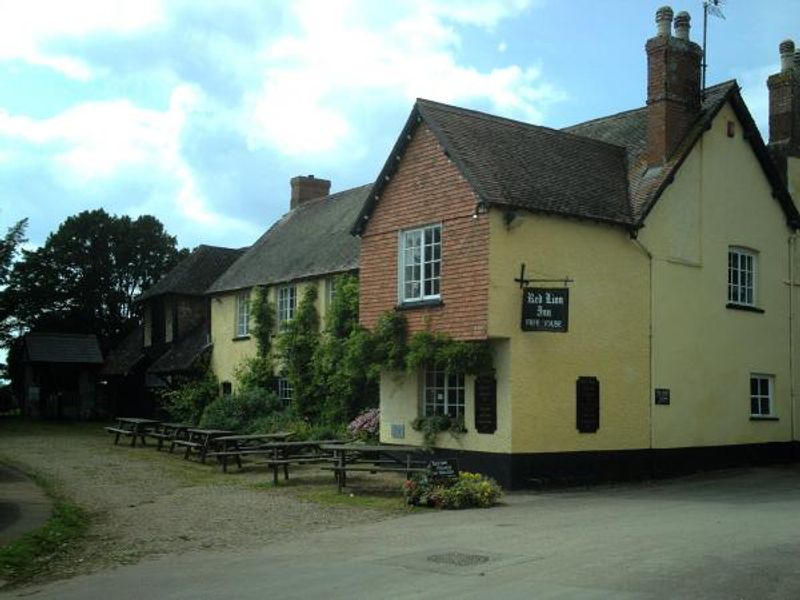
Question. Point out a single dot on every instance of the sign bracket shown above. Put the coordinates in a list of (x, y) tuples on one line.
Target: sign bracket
[(524, 282)]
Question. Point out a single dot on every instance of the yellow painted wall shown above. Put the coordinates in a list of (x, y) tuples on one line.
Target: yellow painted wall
[(607, 336), (401, 403), (704, 352), (229, 351)]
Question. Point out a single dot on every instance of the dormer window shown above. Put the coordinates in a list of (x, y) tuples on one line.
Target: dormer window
[(420, 258)]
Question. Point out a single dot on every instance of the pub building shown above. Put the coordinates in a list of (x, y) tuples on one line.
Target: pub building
[(634, 276)]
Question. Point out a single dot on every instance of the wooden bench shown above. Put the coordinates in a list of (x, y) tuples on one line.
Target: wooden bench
[(189, 445), (375, 469), (128, 432), (161, 437)]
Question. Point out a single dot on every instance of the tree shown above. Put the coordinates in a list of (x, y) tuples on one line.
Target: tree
[(9, 248), (87, 274)]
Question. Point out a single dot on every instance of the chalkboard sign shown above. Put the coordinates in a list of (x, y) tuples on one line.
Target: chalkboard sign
[(662, 396), (485, 404), (443, 469), (545, 309), (587, 413)]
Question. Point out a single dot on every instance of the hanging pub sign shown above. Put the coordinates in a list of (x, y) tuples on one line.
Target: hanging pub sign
[(545, 309)]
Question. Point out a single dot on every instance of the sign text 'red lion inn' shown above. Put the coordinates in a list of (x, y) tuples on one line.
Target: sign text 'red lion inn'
[(545, 309)]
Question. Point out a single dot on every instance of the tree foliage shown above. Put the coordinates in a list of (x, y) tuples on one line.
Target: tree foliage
[(345, 381), (88, 272), (9, 248), (296, 347)]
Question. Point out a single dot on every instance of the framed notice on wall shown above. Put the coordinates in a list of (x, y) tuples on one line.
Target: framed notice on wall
[(545, 309)]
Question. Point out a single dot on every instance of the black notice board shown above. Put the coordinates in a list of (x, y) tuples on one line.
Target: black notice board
[(545, 309), (587, 413), (662, 396), (443, 469), (485, 404)]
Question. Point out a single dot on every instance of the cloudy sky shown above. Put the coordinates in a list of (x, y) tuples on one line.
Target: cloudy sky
[(199, 111)]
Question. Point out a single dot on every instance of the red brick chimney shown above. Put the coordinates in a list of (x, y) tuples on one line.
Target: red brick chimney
[(673, 85), (784, 107), (307, 188)]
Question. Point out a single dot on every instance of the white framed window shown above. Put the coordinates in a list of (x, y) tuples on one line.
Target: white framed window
[(420, 268), (243, 313), (761, 395), (285, 391), (742, 266), (443, 393), (287, 303)]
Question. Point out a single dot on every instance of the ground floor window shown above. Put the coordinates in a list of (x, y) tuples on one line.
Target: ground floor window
[(285, 391), (443, 393), (761, 393), (227, 388)]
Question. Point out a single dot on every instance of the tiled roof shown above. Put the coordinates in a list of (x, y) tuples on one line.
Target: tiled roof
[(594, 170), (522, 165), (180, 356), (311, 240), (63, 348), (195, 273), (125, 355)]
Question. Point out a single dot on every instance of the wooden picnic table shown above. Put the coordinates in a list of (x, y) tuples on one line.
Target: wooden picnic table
[(199, 440), (277, 454), (235, 445), (385, 458), (166, 432), (133, 427)]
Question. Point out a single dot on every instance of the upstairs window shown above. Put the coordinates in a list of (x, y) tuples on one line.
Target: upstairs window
[(741, 276), (420, 264), (761, 391), (443, 393), (243, 313), (287, 303), (285, 391)]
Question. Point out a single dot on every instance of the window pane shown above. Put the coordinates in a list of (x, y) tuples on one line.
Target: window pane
[(765, 406)]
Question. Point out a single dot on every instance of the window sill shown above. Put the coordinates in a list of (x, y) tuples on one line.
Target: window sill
[(419, 304), (764, 418), (744, 307), (240, 338)]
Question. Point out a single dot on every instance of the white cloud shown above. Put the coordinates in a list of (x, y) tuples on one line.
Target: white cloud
[(342, 51), (95, 142), (27, 27)]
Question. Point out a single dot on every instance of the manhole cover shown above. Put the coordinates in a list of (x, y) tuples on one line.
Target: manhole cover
[(458, 559)]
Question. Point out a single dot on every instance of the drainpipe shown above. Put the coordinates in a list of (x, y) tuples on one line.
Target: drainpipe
[(649, 256), (792, 243)]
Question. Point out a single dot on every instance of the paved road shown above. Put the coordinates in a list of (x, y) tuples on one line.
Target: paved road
[(724, 536)]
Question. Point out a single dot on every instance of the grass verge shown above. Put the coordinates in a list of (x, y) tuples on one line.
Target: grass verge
[(388, 502), (30, 555)]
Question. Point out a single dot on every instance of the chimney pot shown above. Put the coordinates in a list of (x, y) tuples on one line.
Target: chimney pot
[(306, 188), (682, 20), (664, 21), (786, 49)]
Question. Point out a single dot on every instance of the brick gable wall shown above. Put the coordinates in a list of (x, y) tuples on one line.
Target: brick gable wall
[(427, 189)]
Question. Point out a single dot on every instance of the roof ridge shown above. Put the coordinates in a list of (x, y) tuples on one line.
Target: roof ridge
[(516, 123)]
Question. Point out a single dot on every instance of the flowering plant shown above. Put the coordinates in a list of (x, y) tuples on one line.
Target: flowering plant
[(366, 426), (469, 490)]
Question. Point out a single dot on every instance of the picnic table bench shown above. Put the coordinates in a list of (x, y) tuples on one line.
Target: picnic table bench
[(385, 458), (277, 454), (166, 432), (198, 440), (132, 427)]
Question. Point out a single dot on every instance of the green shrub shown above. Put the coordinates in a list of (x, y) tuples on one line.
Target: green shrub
[(470, 490), (187, 399), (242, 411), (432, 425)]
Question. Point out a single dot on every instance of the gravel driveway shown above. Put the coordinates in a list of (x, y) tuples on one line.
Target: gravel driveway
[(143, 502)]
